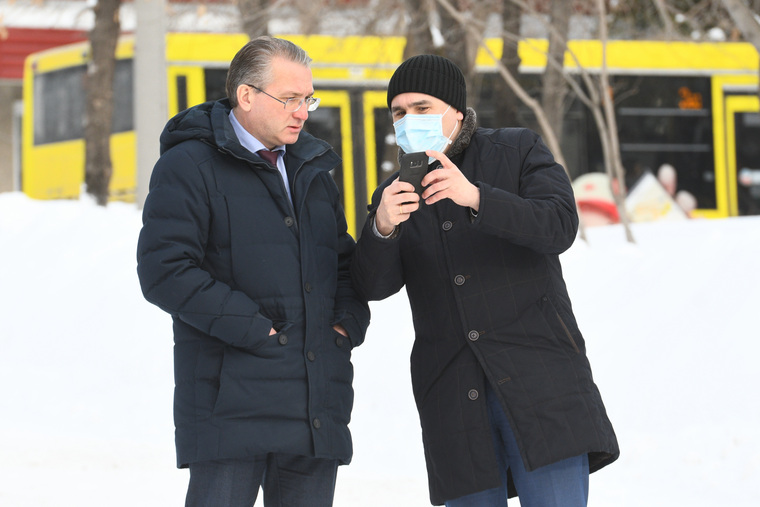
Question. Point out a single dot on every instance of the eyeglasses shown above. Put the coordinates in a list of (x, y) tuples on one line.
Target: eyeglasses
[(292, 104)]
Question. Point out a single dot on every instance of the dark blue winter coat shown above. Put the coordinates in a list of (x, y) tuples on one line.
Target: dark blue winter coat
[(489, 304), (226, 254)]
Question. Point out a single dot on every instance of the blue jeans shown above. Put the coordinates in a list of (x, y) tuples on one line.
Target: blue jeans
[(561, 484), (287, 481)]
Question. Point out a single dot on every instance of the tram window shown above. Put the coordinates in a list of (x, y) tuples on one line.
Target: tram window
[(59, 111), (123, 110), (667, 120), (689, 129), (59, 98), (215, 83), (670, 92), (488, 101), (748, 162), (324, 123)]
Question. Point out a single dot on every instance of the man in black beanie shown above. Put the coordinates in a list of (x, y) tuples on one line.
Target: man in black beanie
[(500, 376)]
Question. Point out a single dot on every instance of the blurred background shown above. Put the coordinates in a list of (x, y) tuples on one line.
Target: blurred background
[(656, 94)]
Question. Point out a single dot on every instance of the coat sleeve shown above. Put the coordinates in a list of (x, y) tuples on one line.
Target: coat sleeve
[(351, 309), (540, 213), (376, 269), (170, 253)]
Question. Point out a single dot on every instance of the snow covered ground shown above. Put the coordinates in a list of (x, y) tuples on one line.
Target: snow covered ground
[(671, 325)]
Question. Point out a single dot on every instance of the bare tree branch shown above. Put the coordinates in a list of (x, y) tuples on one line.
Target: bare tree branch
[(546, 127), (615, 169), (255, 16), (748, 24), (662, 10), (599, 102)]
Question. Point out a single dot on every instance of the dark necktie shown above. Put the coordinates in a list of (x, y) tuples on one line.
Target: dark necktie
[(269, 156)]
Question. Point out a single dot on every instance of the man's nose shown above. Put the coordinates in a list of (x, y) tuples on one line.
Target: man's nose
[(303, 113)]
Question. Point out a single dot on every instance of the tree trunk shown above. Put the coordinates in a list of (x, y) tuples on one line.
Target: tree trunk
[(99, 109), (554, 88), (419, 40), (461, 46), (507, 103), (254, 17)]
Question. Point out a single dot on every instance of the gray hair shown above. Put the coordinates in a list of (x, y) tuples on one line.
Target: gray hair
[(253, 63)]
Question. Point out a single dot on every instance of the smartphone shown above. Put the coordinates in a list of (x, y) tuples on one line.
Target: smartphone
[(413, 169)]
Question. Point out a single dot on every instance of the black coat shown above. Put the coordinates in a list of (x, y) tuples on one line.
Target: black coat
[(489, 304), (224, 252)]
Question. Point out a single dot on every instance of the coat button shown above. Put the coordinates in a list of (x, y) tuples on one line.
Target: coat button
[(316, 423), (473, 394), (311, 356), (473, 335), (447, 225), (289, 221), (283, 339), (307, 287), (459, 279)]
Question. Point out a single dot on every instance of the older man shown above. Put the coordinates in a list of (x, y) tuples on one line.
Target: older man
[(245, 244)]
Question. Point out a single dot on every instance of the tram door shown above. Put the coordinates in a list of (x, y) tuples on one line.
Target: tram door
[(332, 123), (743, 157)]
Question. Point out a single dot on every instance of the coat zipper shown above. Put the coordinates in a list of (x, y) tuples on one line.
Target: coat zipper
[(567, 332)]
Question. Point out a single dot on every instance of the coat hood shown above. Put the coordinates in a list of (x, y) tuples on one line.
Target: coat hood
[(201, 122)]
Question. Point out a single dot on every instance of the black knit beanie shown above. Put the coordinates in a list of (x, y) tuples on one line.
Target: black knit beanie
[(433, 75)]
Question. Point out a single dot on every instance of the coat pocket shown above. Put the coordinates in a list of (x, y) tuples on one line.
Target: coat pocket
[(272, 345), (558, 324)]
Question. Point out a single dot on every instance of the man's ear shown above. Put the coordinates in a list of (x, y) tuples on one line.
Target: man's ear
[(245, 97)]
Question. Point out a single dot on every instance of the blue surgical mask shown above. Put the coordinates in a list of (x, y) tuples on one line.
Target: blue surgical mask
[(420, 132)]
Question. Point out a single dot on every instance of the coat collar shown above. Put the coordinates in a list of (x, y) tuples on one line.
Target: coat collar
[(469, 126)]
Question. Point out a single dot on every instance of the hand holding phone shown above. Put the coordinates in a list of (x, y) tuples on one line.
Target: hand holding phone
[(413, 169)]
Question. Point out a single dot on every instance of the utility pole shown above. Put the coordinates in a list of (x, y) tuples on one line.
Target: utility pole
[(150, 102)]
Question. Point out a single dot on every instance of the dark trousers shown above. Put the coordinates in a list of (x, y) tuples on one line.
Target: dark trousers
[(287, 481)]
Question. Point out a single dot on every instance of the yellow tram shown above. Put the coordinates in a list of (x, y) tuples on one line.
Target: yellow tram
[(692, 105)]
